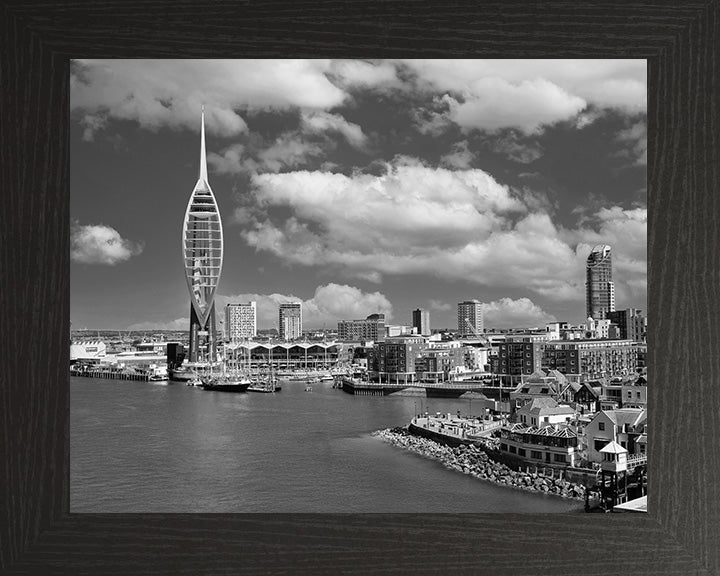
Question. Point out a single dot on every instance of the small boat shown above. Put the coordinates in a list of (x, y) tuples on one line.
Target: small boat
[(308, 388)]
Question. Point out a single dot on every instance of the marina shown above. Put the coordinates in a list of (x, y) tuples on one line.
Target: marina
[(287, 452)]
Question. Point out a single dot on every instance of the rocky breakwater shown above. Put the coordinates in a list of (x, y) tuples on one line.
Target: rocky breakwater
[(474, 460)]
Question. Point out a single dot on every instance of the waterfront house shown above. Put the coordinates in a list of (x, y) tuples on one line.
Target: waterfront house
[(624, 426), (544, 411), (626, 392)]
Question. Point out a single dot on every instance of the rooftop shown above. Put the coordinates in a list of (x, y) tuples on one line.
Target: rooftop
[(546, 406), (553, 430)]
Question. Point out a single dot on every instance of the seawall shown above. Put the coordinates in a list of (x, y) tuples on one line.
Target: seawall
[(474, 460)]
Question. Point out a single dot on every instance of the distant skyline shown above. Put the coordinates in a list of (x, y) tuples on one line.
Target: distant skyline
[(359, 187)]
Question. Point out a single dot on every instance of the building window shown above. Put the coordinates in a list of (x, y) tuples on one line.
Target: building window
[(601, 426), (522, 452), (560, 458), (513, 450), (600, 444), (503, 447), (536, 454), (546, 419)]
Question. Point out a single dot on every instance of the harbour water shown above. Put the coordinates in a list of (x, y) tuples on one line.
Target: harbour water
[(158, 447)]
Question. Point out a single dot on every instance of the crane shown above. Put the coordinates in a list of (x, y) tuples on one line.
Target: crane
[(475, 331)]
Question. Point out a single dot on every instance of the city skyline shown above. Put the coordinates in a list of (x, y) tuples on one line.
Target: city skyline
[(360, 187)]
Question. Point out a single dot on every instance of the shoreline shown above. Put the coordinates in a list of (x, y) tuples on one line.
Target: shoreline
[(474, 461)]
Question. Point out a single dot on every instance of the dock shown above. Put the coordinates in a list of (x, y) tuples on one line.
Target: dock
[(113, 375), (450, 389)]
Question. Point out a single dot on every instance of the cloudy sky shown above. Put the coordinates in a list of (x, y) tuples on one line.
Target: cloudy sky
[(359, 186)]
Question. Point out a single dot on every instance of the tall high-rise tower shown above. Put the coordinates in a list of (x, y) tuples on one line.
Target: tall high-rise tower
[(470, 318), (421, 321), (202, 249), (290, 320), (599, 287)]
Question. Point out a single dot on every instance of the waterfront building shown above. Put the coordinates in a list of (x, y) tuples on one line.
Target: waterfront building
[(284, 355), (438, 363), (590, 359), (599, 286), (470, 319), (631, 322), (290, 320), (551, 444), (241, 321), (87, 350), (371, 328), (518, 356), (202, 252), (476, 358), (421, 321), (394, 359), (624, 426)]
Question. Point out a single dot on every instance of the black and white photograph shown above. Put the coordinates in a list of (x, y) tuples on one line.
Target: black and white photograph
[(358, 286)]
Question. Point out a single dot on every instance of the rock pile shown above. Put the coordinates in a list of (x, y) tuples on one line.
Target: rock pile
[(473, 460)]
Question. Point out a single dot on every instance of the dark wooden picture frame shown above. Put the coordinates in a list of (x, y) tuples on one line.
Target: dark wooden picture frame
[(680, 534)]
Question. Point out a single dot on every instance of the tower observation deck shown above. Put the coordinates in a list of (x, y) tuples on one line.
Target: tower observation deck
[(202, 252)]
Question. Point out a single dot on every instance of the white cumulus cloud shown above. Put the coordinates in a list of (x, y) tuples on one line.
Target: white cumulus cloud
[(364, 74), (456, 225), (496, 103), (100, 244), (520, 313), (159, 93), (321, 122), (528, 94)]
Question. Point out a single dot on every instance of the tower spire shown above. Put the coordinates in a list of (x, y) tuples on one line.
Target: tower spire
[(203, 161)]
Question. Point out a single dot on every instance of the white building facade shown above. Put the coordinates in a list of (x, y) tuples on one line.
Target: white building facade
[(241, 321)]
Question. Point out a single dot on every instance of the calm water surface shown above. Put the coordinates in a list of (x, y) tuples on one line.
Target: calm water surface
[(154, 447)]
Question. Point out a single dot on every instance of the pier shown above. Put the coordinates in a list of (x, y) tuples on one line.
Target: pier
[(112, 375), (450, 389)]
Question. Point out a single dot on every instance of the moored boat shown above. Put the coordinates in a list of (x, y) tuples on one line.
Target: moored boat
[(226, 384)]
